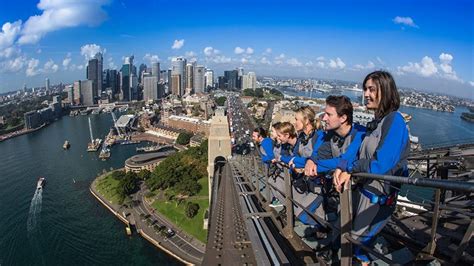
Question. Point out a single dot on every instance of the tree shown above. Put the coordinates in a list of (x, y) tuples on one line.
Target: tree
[(191, 209), (144, 174), (184, 138), (221, 100)]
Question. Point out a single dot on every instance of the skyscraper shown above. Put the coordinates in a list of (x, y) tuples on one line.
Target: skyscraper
[(77, 93), (189, 77), (178, 69), (232, 79), (47, 84), (249, 81), (199, 81), (176, 85), (126, 79), (141, 70), (150, 88), (87, 92), (209, 82), (155, 70), (100, 69)]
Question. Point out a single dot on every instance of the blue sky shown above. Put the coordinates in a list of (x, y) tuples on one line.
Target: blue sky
[(425, 44)]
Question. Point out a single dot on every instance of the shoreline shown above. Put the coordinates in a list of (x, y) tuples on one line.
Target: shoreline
[(141, 232), (20, 133)]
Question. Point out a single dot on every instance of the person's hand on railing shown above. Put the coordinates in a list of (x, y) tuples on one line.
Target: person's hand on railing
[(291, 164), (310, 169), (340, 179)]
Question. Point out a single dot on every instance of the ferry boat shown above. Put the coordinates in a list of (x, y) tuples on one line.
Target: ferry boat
[(94, 145), (104, 154), (40, 183), (66, 145)]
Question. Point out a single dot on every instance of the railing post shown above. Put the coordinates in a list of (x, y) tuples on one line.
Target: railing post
[(430, 249), (268, 189), (257, 179), (346, 224), (288, 231)]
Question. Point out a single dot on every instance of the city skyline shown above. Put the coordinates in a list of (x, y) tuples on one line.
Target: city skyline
[(55, 39)]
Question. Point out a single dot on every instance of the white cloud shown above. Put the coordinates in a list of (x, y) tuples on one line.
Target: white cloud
[(58, 15), (239, 50), (9, 33), (31, 68), (407, 21), (80, 67), (209, 51), (244, 60), (90, 50), (337, 64), (309, 64), (67, 61), (321, 58), (321, 64), (268, 51), (471, 83), (39, 51), (429, 68), (294, 62), (265, 61), (178, 44), (50, 67), (151, 58), (10, 52), (249, 50), (425, 68), (445, 58), (13, 65), (369, 65)]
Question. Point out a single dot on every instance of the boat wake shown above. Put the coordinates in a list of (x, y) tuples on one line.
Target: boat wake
[(35, 209)]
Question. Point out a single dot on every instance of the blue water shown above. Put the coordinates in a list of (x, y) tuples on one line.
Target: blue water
[(63, 225)]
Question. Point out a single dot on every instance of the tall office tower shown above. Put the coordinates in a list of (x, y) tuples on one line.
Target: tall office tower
[(209, 75), (178, 65), (222, 82), (70, 94), (94, 74), (199, 81), (100, 69), (126, 79), (141, 70), (134, 87), (47, 84), (232, 79), (169, 80), (87, 92), (77, 92), (176, 85), (112, 81), (190, 77), (155, 70), (241, 71), (150, 88), (252, 80), (249, 81), (161, 90)]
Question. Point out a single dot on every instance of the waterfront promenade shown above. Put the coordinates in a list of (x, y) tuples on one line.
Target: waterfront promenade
[(181, 246)]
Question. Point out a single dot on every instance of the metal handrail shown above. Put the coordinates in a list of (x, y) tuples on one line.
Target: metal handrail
[(422, 182)]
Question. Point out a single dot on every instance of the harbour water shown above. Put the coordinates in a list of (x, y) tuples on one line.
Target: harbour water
[(63, 224)]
